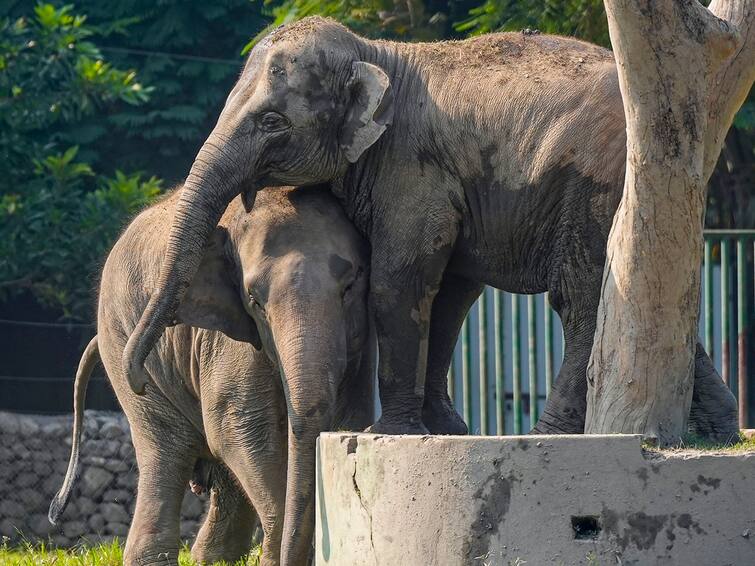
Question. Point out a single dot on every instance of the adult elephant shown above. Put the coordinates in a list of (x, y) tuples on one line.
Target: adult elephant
[(496, 160), (291, 277)]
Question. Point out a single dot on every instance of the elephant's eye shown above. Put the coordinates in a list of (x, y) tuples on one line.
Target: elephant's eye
[(272, 122), (254, 301)]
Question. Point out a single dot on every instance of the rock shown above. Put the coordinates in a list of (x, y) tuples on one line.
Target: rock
[(86, 506), (128, 480), (52, 484), (97, 523), (117, 529), (27, 426), (9, 423), (61, 540), (34, 444), (72, 509), (40, 525), (43, 456), (97, 461), (99, 449), (73, 529), (91, 428), (126, 451), (94, 481), (6, 454), (32, 499), (117, 496), (111, 430), (42, 469), (12, 509), (22, 452), (55, 429), (115, 513), (8, 528), (192, 507), (117, 466), (26, 479)]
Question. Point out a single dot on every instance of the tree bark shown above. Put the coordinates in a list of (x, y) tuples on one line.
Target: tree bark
[(684, 71)]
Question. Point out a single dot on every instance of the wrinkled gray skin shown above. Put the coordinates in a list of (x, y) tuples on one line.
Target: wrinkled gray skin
[(496, 160), (292, 274)]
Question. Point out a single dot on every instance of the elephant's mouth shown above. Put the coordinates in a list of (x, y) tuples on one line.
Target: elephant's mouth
[(247, 197)]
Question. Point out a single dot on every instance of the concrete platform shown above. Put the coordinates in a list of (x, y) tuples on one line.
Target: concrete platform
[(535, 500)]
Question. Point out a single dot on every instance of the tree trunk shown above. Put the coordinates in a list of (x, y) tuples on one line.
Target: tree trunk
[(684, 71)]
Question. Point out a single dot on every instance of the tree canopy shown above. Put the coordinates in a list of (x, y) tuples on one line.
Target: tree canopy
[(104, 105)]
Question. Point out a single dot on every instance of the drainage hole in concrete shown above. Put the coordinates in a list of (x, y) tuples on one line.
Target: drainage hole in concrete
[(585, 527)]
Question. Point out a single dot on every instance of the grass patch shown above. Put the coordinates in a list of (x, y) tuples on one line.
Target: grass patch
[(97, 555), (691, 442)]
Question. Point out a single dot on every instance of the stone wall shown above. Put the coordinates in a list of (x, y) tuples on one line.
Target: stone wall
[(34, 452)]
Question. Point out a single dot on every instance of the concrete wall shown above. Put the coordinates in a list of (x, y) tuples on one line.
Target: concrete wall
[(34, 452), (447, 501)]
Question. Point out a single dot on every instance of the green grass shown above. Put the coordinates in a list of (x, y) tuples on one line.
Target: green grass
[(99, 555), (692, 442)]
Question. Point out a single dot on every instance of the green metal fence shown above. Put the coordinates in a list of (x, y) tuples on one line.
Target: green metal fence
[(511, 346)]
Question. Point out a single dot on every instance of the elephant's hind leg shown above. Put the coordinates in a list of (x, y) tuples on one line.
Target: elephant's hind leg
[(227, 531), (165, 467), (575, 297), (713, 414)]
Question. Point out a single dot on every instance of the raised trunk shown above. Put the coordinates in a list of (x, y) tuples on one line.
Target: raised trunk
[(672, 57), (215, 179)]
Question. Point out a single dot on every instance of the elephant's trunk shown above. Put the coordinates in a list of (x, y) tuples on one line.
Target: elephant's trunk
[(215, 179), (312, 359)]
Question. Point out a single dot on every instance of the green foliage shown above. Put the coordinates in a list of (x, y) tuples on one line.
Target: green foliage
[(585, 19), (54, 237), (406, 21), (189, 52), (57, 214), (74, 117)]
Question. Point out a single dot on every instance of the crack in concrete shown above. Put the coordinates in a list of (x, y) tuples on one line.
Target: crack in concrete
[(369, 513)]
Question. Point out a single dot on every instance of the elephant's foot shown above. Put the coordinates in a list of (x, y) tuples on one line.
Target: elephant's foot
[(567, 421), (151, 558), (387, 426), (440, 417), (713, 414)]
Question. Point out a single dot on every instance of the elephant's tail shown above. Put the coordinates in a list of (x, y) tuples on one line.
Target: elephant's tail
[(88, 360)]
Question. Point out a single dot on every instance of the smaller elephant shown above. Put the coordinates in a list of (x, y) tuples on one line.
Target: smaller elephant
[(271, 345)]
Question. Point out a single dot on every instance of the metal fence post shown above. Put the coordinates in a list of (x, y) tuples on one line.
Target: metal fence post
[(548, 314), (466, 370), (500, 391), (517, 364), (708, 299), (742, 333), (725, 310), (482, 336), (532, 368)]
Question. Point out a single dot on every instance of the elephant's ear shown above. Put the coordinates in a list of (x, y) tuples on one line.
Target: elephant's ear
[(370, 109), (212, 301)]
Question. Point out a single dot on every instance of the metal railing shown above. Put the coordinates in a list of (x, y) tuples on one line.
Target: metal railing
[(511, 346)]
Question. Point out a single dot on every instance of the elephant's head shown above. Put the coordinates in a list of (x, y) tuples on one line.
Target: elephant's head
[(305, 106), (290, 276)]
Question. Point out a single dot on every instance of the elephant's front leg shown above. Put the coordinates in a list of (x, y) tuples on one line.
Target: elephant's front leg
[(403, 286), (457, 294)]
